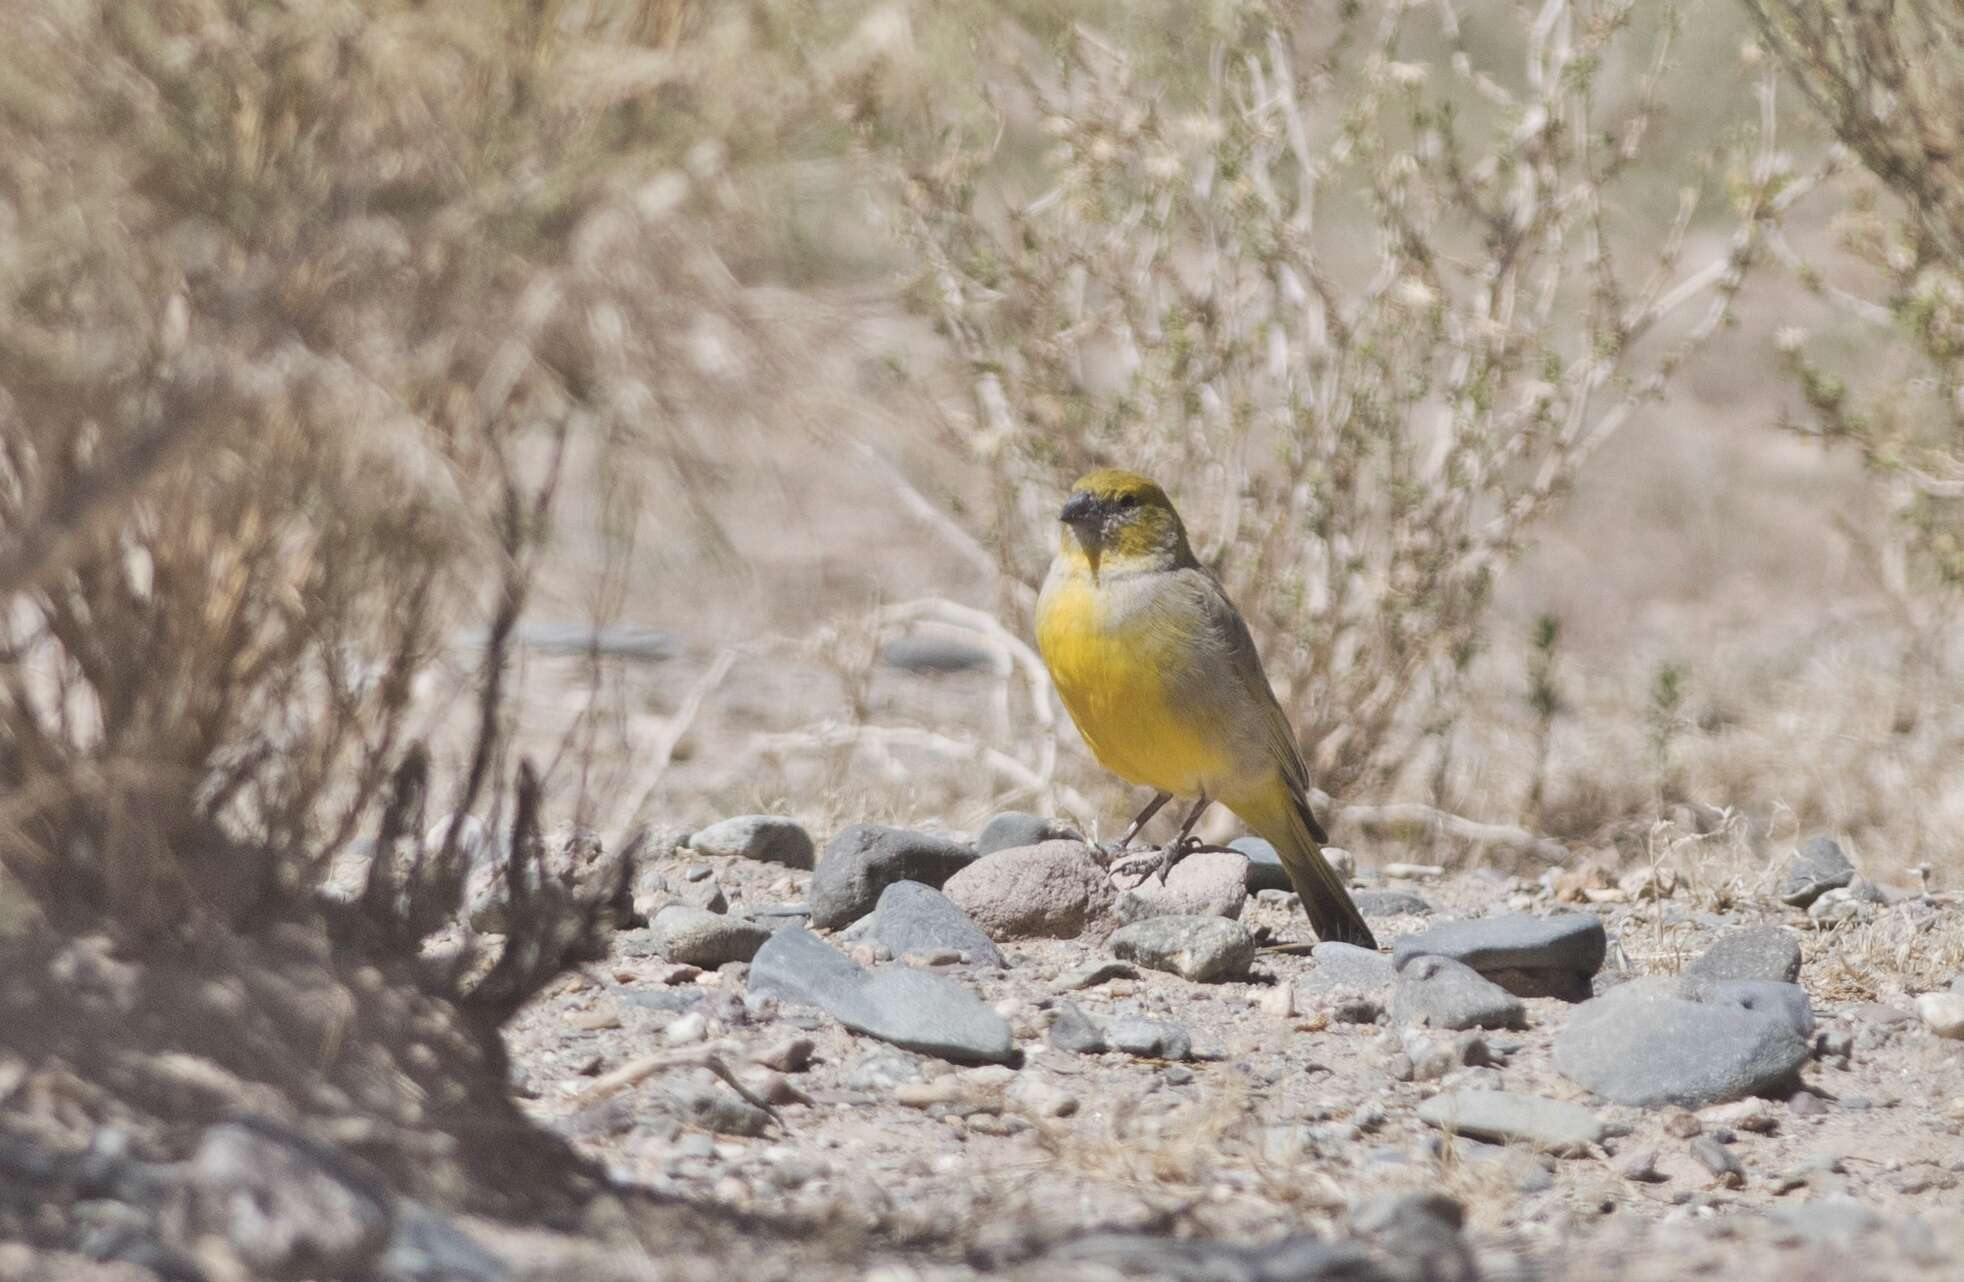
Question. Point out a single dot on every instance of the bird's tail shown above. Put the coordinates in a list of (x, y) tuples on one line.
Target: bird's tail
[(1282, 817)]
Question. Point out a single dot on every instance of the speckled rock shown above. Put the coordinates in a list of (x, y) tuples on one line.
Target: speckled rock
[(1052, 891)]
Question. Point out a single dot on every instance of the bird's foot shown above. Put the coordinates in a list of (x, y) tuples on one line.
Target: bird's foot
[(1157, 861)]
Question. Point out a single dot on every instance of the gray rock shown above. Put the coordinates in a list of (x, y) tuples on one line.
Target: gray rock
[(1076, 1032), (1340, 965), (882, 1071), (1439, 992), (1203, 949), (1528, 956), (912, 918), (918, 653), (555, 636), (706, 939), (287, 1206), (1817, 867), (1641, 1166), (931, 1014), (1014, 829), (1390, 903), (1207, 883), (1957, 984), (1788, 1001), (865, 859), (788, 1055), (1841, 905), (1420, 1232), (1149, 1038), (1834, 1217), (1718, 1159), (1754, 952), (1122, 1253), (770, 839), (1094, 972), (1553, 1126), (795, 965), (653, 890), (1265, 870), (428, 1248), (1051, 891), (909, 1008), (1942, 1013), (716, 1108), (1654, 1041)]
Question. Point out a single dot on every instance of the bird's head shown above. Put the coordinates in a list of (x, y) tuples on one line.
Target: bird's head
[(1118, 519)]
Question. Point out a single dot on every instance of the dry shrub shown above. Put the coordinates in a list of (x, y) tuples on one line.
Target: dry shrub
[(304, 313), (1886, 79), (1367, 299)]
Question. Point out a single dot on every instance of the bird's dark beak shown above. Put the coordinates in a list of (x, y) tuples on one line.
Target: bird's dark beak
[(1086, 517)]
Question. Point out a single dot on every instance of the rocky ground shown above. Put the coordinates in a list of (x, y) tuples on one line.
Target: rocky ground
[(1000, 1050), (912, 1056)]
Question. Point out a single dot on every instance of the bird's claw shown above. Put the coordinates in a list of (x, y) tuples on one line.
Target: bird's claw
[(1157, 862)]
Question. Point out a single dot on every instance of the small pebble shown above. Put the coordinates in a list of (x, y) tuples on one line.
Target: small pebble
[(1718, 1159), (1641, 1166), (927, 1094), (792, 1055), (1942, 1013)]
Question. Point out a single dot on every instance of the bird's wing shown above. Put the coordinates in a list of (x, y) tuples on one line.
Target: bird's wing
[(1228, 638)]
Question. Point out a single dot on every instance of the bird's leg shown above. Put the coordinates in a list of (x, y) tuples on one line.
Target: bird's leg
[(1144, 817), (1177, 851)]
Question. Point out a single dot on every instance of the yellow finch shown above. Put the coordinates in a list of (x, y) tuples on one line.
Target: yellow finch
[(1161, 676)]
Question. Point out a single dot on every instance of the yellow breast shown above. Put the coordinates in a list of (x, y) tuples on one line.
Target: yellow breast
[(1113, 676)]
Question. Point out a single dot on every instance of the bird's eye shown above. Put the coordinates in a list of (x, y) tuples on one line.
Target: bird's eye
[(1128, 500)]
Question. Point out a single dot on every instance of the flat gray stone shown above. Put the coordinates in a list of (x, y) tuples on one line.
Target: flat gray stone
[(1094, 972), (1754, 952), (770, 839), (1203, 949), (1389, 903), (1553, 1126), (795, 965), (912, 918), (1076, 1032), (912, 1009), (865, 859), (1528, 956), (1149, 1038), (1016, 828), (706, 939), (928, 1013), (1788, 1001), (1265, 870), (916, 653), (1832, 1218), (1817, 867), (1658, 1041), (1341, 965), (1438, 992)]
